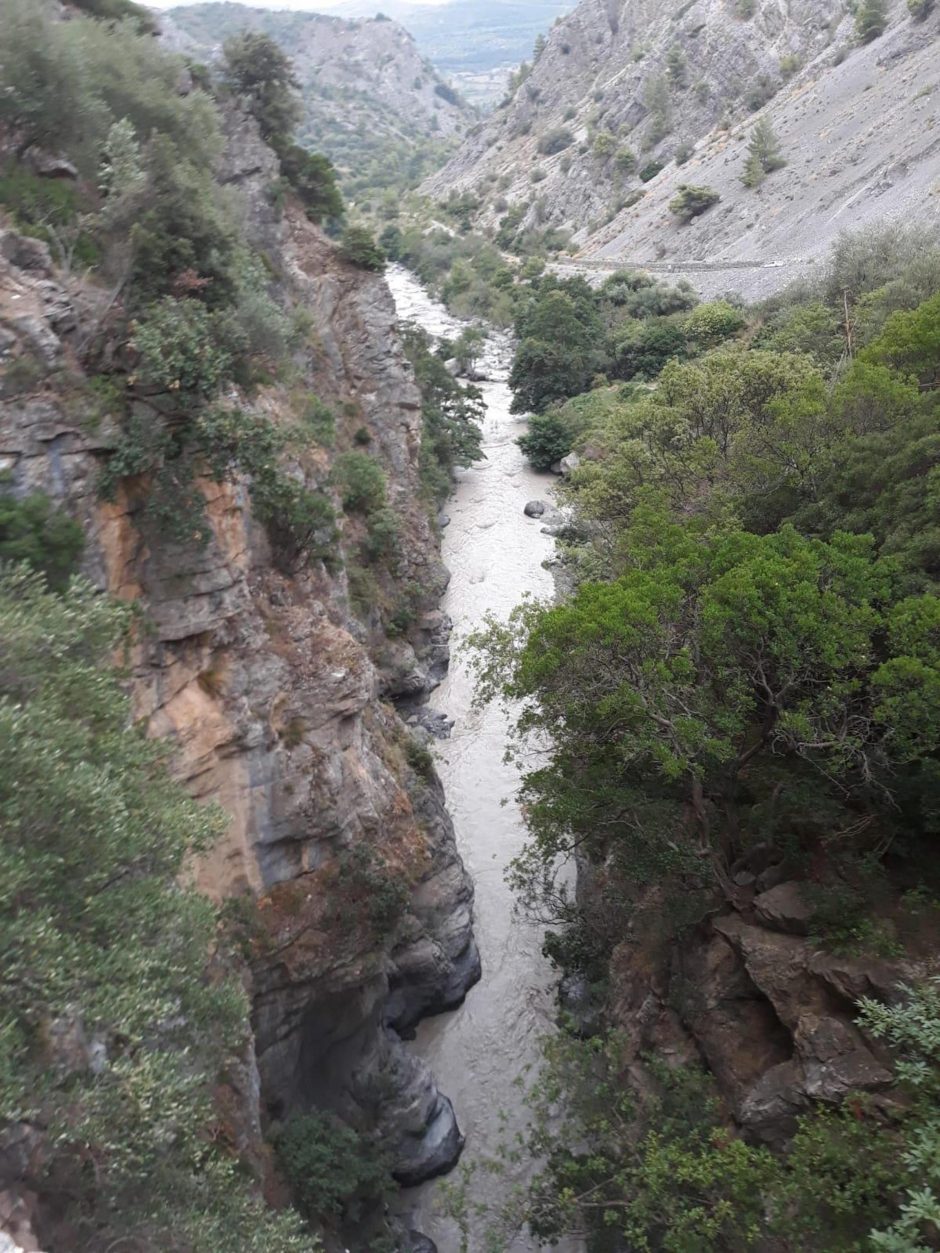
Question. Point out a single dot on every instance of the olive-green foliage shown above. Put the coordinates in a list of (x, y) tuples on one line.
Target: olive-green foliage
[(451, 416), (313, 178), (554, 141), (548, 439), (713, 323), (658, 100), (185, 349), (764, 154), (871, 19), (468, 272), (360, 247), (333, 1171), (920, 9), (750, 656), (660, 1170), (570, 333), (690, 202), (258, 71), (67, 83), (33, 530), (361, 482), (559, 333), (114, 1032)]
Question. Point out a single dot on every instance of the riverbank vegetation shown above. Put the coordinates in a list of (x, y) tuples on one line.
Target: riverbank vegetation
[(747, 672)]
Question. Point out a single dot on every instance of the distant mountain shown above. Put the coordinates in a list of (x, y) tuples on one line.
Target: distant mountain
[(630, 99), (474, 42), (373, 103)]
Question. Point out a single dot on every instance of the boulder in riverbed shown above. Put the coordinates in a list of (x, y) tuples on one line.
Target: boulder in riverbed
[(535, 509)]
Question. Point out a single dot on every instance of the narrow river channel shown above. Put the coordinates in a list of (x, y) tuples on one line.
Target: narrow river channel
[(481, 1052)]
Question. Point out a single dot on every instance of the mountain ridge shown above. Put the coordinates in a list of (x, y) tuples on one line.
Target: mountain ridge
[(596, 83)]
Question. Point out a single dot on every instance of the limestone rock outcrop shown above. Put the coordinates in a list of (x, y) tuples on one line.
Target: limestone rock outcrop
[(269, 686), (629, 99)]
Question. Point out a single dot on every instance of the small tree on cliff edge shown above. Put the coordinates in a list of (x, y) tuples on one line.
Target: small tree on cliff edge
[(871, 18), (764, 154), (259, 71)]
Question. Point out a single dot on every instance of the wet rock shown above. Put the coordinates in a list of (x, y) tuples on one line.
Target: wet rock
[(536, 509), (443, 520), (417, 1242), (785, 908), (436, 724), (47, 165)]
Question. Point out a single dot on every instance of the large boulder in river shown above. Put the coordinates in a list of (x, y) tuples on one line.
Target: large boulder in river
[(535, 509)]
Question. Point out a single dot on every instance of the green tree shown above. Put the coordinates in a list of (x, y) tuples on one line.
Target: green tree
[(33, 530), (118, 1017), (451, 416), (313, 178), (548, 439), (764, 154), (690, 202), (261, 73), (559, 352), (871, 19), (658, 100), (359, 247)]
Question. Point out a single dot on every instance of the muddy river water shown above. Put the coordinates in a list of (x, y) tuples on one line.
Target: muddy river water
[(480, 1052)]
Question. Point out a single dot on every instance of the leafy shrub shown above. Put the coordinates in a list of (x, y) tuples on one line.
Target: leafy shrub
[(333, 1171), (359, 247), (604, 145), (547, 441), (33, 530), (318, 418), (764, 154), (712, 323), (258, 71), (361, 482), (120, 11), (300, 522), (690, 202), (650, 170), (185, 348), (871, 20), (919, 9), (554, 141), (683, 153), (182, 231), (313, 178), (645, 348)]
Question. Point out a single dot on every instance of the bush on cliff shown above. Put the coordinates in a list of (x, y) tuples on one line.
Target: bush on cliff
[(33, 530), (691, 202)]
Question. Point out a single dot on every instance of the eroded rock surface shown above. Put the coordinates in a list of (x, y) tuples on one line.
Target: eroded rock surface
[(274, 693)]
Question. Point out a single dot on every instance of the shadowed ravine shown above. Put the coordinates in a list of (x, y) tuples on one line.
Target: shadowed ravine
[(495, 555)]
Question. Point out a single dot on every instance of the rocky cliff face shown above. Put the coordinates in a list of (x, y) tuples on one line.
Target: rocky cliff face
[(273, 692), (631, 86), (750, 994)]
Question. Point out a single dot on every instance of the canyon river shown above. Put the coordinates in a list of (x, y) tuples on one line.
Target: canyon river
[(481, 1053)]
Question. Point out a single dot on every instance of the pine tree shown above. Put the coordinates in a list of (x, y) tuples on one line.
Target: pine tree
[(871, 18), (764, 154)]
